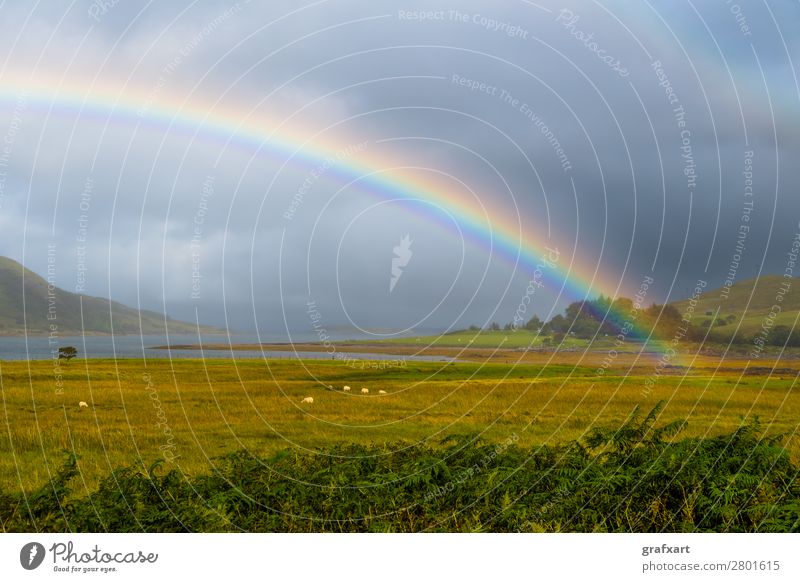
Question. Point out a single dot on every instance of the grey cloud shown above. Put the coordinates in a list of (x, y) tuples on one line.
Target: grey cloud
[(572, 100)]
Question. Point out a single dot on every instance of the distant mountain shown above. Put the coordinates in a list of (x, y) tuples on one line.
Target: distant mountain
[(747, 305), (53, 306)]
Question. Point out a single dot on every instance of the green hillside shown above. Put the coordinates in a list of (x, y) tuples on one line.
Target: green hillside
[(747, 307), (64, 309)]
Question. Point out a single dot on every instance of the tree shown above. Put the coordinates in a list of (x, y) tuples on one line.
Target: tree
[(664, 318), (586, 317), (67, 353), (557, 324), (783, 335), (534, 324)]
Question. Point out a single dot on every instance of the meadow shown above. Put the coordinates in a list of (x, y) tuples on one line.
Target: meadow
[(520, 338), (189, 413)]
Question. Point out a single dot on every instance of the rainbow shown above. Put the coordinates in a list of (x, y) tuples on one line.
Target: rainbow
[(500, 233)]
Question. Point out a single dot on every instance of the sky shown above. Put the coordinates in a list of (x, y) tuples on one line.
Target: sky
[(389, 167)]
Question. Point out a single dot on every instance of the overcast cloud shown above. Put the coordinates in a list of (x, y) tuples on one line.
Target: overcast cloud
[(636, 188)]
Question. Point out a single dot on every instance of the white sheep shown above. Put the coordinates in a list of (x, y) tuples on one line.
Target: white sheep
[(307, 400), (82, 404), (381, 391), (346, 388), (365, 390)]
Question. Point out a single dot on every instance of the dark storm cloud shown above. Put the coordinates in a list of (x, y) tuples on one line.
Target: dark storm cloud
[(518, 102)]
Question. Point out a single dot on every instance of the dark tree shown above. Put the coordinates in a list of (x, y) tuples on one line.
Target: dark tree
[(67, 353), (558, 324), (665, 318), (534, 324), (783, 335)]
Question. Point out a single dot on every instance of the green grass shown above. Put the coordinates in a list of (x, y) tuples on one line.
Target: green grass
[(213, 408), (750, 303), (520, 338), (752, 295)]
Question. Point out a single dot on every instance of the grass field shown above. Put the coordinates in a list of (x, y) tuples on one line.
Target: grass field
[(189, 412), (751, 305), (520, 338)]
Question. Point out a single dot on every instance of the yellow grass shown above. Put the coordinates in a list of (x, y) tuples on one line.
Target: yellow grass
[(188, 412)]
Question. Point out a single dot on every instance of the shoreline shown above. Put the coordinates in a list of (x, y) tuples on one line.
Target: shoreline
[(71, 333), (546, 356)]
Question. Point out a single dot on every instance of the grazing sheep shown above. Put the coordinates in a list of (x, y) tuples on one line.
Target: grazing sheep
[(83, 404), (307, 400), (365, 390), (381, 391), (346, 388)]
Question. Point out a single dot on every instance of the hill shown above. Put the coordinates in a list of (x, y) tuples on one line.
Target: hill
[(748, 306), (741, 311), (43, 307)]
